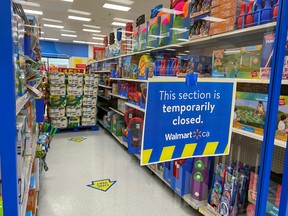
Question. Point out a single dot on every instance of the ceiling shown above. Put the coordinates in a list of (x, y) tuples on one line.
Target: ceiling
[(57, 9)]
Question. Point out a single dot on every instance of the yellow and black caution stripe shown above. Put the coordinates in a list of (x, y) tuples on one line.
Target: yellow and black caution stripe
[(188, 151)]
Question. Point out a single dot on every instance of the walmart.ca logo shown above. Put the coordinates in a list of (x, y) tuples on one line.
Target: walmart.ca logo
[(197, 134)]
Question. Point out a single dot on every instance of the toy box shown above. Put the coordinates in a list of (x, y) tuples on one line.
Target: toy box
[(282, 127), (88, 120), (74, 100), (89, 100), (250, 111), (74, 89), (181, 22), (32, 196), (153, 32), (267, 52), (90, 90), (274, 194), (166, 21), (117, 124), (73, 111), (55, 112), (200, 7), (121, 105), (241, 62), (73, 121), (89, 110), (145, 67), (56, 78), (143, 33), (199, 27), (123, 89), (168, 173), (75, 78), (222, 27), (57, 89), (216, 3), (59, 122), (107, 119), (56, 100), (182, 173), (223, 11), (135, 40)]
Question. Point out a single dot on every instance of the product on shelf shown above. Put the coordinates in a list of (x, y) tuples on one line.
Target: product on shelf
[(200, 7), (166, 21), (153, 32), (241, 62), (66, 108), (143, 34), (267, 53), (145, 67), (199, 27), (181, 21)]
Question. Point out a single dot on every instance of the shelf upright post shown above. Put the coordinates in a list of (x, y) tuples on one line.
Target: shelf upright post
[(8, 149), (271, 117)]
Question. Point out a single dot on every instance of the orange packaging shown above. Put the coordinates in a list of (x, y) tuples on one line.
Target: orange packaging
[(221, 27), (225, 10), (31, 203), (216, 3)]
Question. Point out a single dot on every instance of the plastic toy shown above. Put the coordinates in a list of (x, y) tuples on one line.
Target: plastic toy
[(275, 11), (200, 179), (266, 15), (241, 18), (249, 20)]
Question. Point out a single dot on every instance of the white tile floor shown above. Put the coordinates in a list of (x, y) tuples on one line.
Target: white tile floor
[(72, 166)]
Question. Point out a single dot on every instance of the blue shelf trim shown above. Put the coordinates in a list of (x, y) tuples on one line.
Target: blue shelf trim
[(8, 119), (272, 112)]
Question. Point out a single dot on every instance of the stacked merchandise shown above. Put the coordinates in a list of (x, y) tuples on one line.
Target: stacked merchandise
[(72, 99)]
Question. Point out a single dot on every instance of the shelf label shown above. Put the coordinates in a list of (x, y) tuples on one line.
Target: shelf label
[(102, 185), (77, 139), (187, 121)]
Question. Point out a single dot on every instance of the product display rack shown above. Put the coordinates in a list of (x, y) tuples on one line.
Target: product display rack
[(237, 38)]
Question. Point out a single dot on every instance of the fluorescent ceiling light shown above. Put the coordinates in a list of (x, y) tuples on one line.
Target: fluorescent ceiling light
[(91, 26), (213, 19), (64, 30), (170, 49), (68, 35), (85, 42), (97, 38), (92, 30), (34, 12), (187, 51), (79, 12), (31, 4), (171, 11), (123, 20), (179, 29), (42, 32), (99, 35), (116, 7), (51, 39), (52, 20), (183, 39), (125, 2), (53, 26), (79, 18), (182, 54), (68, 0), (118, 24)]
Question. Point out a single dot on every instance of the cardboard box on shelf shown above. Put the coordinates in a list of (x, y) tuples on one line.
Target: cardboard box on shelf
[(90, 90), (59, 122), (89, 100), (73, 111), (89, 110), (226, 10), (88, 120), (75, 78), (74, 89), (59, 90), (74, 121), (55, 112), (56, 78), (241, 62), (222, 27)]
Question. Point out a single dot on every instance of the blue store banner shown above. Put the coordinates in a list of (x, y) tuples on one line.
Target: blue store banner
[(187, 121)]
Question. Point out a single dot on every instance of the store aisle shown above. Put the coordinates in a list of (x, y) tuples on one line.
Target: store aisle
[(73, 165)]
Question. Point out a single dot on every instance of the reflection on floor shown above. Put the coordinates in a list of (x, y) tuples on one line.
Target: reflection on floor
[(73, 166)]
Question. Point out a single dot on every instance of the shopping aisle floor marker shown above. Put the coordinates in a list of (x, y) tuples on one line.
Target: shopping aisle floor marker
[(77, 139), (102, 185)]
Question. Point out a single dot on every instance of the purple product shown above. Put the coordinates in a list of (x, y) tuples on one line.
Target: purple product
[(200, 178)]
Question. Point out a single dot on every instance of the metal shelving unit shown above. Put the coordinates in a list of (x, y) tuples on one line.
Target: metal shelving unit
[(118, 96), (104, 86), (117, 111), (135, 107)]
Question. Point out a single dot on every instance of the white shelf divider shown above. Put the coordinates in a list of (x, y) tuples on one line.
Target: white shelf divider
[(129, 80), (135, 107), (118, 96), (278, 142), (106, 98), (117, 111), (104, 86)]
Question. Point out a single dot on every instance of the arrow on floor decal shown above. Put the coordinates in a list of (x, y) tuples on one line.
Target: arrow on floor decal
[(102, 185)]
